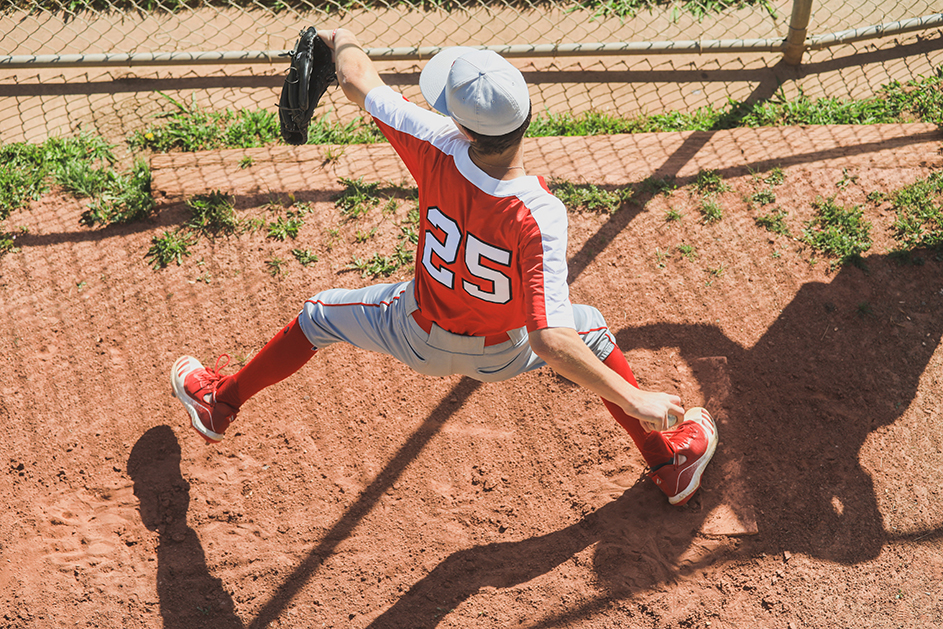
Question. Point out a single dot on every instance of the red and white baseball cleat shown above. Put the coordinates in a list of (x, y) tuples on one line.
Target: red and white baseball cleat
[(692, 445), (195, 386)]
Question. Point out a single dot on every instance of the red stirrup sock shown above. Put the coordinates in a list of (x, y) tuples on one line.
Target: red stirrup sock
[(652, 445), (286, 353)]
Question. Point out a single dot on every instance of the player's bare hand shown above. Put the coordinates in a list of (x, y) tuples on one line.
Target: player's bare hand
[(652, 410)]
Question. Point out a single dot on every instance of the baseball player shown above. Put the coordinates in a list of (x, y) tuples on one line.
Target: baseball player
[(489, 298)]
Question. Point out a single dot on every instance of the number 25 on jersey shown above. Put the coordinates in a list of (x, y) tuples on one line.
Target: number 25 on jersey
[(491, 285)]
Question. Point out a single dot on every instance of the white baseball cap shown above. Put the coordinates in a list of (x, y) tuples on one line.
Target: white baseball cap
[(479, 89)]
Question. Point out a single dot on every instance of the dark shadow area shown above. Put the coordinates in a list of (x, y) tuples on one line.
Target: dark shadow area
[(189, 595), (842, 360), (367, 500)]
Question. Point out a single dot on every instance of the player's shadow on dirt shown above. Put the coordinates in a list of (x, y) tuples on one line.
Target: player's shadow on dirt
[(189, 595), (843, 359)]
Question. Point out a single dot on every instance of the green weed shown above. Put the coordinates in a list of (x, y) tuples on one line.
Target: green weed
[(212, 214), (710, 182), (358, 131), (380, 265), (661, 257), (672, 215), (8, 243), (846, 179), (362, 236), (837, 231), (276, 266), (710, 209), (878, 196), (591, 198), (246, 161), (763, 197), (26, 169), (124, 198), (776, 177), (167, 248), (285, 227), (774, 222), (714, 274), (657, 185), (358, 197), (193, 128), (919, 214), (304, 256), (687, 251)]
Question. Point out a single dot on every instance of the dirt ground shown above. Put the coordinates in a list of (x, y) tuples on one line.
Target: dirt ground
[(359, 494)]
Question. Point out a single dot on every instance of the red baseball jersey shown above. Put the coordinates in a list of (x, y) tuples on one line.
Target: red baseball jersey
[(491, 254)]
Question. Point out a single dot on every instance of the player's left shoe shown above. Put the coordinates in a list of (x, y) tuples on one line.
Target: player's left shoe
[(195, 386), (691, 446)]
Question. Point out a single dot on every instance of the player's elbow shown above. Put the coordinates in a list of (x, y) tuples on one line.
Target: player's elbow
[(547, 343)]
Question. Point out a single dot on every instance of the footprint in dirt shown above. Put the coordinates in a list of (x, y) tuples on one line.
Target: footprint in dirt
[(189, 595), (86, 533)]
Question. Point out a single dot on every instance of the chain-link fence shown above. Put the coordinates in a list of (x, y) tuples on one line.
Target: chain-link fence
[(103, 64)]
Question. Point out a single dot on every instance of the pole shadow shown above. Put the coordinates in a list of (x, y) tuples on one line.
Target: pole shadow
[(365, 503), (638, 539), (189, 595)]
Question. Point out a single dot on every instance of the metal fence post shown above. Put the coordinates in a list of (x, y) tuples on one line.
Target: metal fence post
[(798, 26)]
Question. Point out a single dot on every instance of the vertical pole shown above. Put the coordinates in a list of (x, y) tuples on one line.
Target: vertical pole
[(798, 26)]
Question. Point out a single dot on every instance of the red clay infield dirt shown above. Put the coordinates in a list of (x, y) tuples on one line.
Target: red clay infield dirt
[(358, 494)]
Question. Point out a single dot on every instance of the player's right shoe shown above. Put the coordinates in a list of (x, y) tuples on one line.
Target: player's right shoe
[(195, 386), (691, 446)]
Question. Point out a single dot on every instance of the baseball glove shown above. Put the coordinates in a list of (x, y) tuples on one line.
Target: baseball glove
[(311, 71)]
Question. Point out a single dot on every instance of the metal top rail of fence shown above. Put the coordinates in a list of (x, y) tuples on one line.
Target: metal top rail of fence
[(206, 35)]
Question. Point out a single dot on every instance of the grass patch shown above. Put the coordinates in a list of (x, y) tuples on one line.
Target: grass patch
[(657, 185), (26, 170), (193, 128), (919, 210), (710, 182), (600, 8), (710, 209), (384, 266), (212, 214), (357, 198), (285, 226), (590, 197), (687, 251), (837, 231), (8, 243), (304, 256), (763, 197), (124, 198), (276, 266), (775, 177), (167, 248), (775, 222)]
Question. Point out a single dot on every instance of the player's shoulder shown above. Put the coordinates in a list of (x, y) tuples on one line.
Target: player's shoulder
[(534, 193), (388, 106)]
